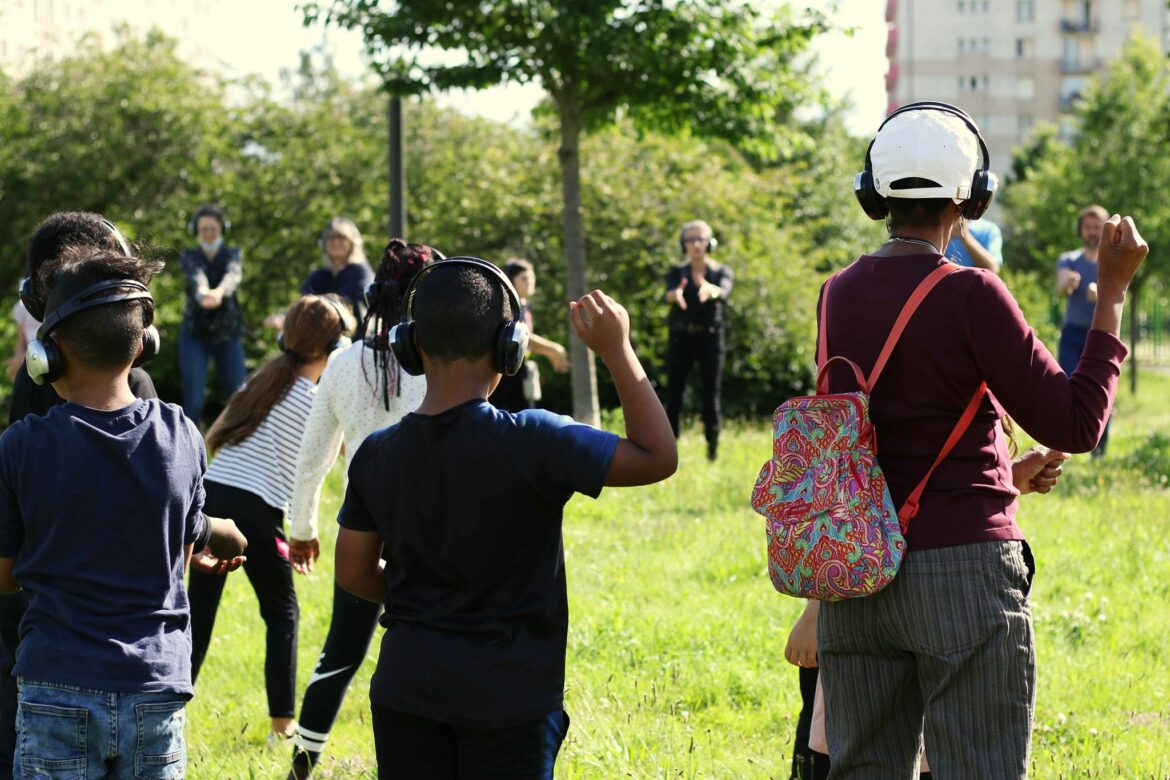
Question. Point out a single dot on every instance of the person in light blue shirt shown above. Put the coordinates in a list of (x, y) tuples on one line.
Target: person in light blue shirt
[(978, 244)]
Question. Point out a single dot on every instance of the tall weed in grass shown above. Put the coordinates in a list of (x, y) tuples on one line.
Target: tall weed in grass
[(675, 660)]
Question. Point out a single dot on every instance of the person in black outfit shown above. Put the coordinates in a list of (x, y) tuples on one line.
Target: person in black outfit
[(51, 237), (213, 325), (696, 291), (522, 390)]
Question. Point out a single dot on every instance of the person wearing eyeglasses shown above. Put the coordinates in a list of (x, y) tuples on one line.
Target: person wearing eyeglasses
[(697, 291)]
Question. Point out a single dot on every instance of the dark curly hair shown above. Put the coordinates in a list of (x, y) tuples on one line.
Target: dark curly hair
[(50, 239), (399, 264)]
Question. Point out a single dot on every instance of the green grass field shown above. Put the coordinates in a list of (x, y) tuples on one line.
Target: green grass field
[(675, 660)]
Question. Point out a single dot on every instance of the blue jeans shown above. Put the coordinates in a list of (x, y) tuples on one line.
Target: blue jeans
[(1072, 344), (194, 354), (83, 734)]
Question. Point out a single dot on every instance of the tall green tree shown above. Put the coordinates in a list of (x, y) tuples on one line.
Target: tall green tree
[(1119, 157), (715, 68)]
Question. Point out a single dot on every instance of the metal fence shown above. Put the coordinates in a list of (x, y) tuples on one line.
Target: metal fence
[(1152, 343)]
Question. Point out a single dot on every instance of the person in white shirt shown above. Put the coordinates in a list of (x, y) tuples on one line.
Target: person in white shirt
[(362, 390)]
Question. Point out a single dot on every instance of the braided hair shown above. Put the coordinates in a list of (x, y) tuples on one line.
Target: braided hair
[(399, 265)]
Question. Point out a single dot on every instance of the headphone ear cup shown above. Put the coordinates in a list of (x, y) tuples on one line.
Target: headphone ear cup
[(983, 188), (43, 361), (404, 349), (873, 204), (372, 293), (511, 347), (711, 244), (151, 344)]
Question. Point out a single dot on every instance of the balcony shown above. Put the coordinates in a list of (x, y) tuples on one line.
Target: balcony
[(1069, 103), (1082, 26), (1081, 65)]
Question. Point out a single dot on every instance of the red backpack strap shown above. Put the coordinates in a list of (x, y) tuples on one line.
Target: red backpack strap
[(920, 292), (823, 360), (910, 507), (823, 329)]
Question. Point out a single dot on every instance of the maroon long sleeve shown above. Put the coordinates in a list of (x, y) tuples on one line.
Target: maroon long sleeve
[(969, 329)]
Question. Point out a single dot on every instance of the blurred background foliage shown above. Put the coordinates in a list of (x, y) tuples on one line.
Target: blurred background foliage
[(138, 135)]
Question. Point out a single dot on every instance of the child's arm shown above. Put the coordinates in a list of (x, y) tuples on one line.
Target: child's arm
[(648, 453), (551, 350), (357, 563), (8, 585), (224, 550), (801, 649)]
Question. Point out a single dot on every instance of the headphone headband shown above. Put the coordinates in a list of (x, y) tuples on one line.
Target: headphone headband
[(934, 105), (93, 296), (467, 260), (511, 339)]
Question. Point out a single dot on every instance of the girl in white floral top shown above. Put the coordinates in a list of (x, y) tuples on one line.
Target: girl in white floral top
[(362, 390)]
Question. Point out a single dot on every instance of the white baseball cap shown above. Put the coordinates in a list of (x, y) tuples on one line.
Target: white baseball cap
[(925, 144)]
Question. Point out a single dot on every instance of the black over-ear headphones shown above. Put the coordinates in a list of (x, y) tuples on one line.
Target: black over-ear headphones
[(43, 359), (215, 212), (983, 185), (26, 293), (712, 242), (511, 341), (342, 341)]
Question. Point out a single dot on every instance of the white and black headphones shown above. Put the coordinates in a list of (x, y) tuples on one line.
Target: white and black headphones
[(44, 361), (511, 340)]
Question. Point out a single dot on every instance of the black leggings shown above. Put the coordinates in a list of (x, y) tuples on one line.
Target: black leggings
[(350, 630), (271, 576), (683, 350)]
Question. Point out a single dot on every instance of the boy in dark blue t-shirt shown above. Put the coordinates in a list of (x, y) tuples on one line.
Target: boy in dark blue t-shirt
[(100, 504), (466, 501)]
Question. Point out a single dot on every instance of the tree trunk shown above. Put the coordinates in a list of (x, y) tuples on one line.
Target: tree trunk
[(1134, 294), (584, 374)]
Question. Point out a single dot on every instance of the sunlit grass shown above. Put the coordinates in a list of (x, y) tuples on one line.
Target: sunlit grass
[(675, 661)]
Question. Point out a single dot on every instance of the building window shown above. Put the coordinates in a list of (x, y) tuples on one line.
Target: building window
[(962, 46), (1024, 125), (961, 6), (973, 84), (1132, 9), (1025, 10), (1026, 88), (1025, 48), (987, 46), (986, 6)]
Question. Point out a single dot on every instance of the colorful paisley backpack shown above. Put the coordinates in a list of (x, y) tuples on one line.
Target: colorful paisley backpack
[(833, 532)]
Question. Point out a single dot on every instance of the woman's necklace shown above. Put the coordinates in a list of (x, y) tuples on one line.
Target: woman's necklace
[(921, 242)]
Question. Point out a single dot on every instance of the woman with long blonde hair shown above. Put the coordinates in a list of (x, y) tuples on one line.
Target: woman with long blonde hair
[(255, 442)]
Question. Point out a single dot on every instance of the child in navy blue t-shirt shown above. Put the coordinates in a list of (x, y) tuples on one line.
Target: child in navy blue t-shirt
[(466, 501), (100, 505)]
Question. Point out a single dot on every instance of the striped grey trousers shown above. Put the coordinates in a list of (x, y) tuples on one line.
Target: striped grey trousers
[(947, 650)]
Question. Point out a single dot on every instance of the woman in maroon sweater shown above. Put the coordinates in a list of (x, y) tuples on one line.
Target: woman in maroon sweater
[(950, 640)]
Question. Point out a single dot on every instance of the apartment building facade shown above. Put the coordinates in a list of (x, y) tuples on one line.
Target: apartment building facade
[(1011, 64)]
